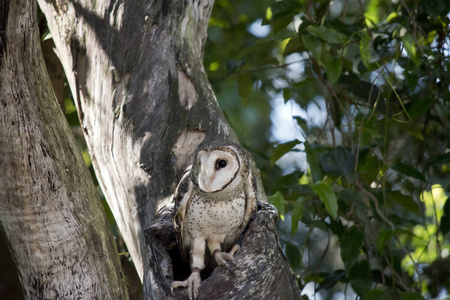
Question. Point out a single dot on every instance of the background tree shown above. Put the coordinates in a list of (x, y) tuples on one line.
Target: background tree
[(50, 211)]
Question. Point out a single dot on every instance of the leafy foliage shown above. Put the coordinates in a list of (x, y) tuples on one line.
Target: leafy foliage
[(375, 189)]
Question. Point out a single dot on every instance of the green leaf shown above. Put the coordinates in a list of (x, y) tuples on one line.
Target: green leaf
[(293, 256), (339, 161), (408, 171), (327, 196), (302, 123), (412, 79), (313, 153), (321, 52), (383, 238), (282, 13), (412, 131), (69, 105), (410, 48), (360, 277), (406, 201), (376, 294), (287, 94), (364, 50), (431, 36), (281, 150), (392, 16), (287, 182), (360, 88), (315, 277), (319, 224), (294, 45), (297, 214), (72, 119), (328, 35), (277, 200), (419, 106), (313, 45), (368, 168), (351, 243), (372, 14), (305, 91), (411, 296), (334, 69), (331, 280), (352, 196)]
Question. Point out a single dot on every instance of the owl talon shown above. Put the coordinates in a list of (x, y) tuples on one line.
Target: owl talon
[(228, 267), (192, 283), (222, 258)]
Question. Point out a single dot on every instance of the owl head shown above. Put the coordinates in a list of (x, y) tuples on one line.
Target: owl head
[(220, 166)]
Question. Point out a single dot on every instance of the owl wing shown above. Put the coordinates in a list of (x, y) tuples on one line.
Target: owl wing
[(250, 191), (182, 197)]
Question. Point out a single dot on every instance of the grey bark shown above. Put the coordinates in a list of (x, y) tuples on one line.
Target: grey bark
[(50, 211), (135, 70), (55, 70), (260, 269)]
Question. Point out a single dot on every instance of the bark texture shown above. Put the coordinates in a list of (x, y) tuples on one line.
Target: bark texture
[(135, 70), (261, 271), (50, 211)]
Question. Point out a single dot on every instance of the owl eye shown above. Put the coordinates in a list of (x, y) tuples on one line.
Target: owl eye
[(221, 164)]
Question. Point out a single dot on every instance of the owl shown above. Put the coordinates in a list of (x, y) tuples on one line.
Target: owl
[(213, 204)]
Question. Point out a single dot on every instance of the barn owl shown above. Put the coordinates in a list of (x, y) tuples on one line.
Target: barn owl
[(213, 204)]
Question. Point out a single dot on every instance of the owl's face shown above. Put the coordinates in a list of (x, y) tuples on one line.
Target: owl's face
[(219, 168)]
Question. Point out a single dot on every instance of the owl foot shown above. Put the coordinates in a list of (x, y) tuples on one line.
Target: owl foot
[(192, 283), (222, 258)]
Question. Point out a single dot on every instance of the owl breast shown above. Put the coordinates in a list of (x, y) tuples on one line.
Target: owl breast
[(212, 218)]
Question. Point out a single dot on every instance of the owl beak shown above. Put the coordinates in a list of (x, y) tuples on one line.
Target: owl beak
[(205, 182)]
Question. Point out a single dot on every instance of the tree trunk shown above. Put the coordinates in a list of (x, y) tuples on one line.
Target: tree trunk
[(50, 211), (145, 104)]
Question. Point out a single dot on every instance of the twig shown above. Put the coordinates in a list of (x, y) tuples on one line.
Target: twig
[(324, 252), (395, 274), (362, 119), (375, 202), (275, 67), (391, 225), (349, 117)]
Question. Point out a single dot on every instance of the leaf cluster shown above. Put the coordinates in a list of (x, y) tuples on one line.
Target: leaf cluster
[(369, 216)]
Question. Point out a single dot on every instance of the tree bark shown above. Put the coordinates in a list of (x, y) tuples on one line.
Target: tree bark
[(144, 101), (50, 211)]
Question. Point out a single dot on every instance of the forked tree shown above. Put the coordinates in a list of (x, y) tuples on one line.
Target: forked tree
[(144, 102)]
